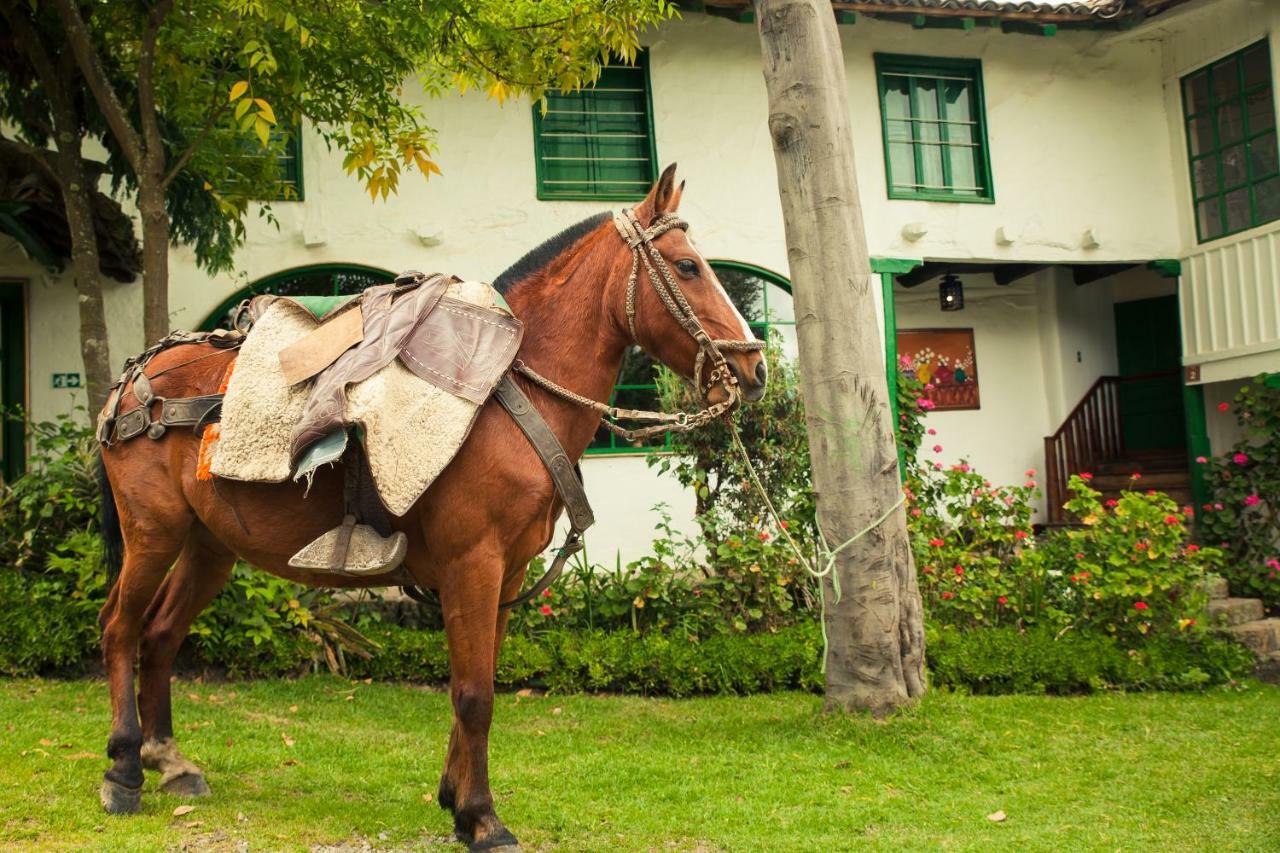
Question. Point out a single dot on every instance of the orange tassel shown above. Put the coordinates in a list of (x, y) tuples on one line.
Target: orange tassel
[(212, 432)]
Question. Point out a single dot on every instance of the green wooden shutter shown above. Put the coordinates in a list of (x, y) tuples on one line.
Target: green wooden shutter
[(598, 143)]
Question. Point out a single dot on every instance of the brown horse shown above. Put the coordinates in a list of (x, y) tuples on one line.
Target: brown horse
[(471, 535)]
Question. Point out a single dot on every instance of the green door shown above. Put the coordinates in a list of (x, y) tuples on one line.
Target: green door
[(13, 376), (1147, 342)]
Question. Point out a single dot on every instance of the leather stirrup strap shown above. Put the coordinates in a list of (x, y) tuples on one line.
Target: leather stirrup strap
[(563, 475)]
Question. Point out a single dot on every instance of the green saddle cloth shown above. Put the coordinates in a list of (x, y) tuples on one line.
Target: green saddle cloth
[(320, 306)]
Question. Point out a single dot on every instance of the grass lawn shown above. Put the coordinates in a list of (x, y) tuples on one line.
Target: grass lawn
[(324, 761)]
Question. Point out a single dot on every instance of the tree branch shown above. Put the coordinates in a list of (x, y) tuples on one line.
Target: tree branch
[(96, 79), (32, 45), (216, 112), (39, 155)]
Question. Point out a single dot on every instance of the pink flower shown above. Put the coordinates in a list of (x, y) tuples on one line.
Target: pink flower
[(1139, 605), (937, 448), (1112, 502), (546, 593), (1135, 476), (1201, 460), (904, 360), (925, 403), (1086, 476), (1252, 500), (1224, 407), (937, 466), (915, 513), (1030, 484), (1273, 563), (932, 431), (1240, 459), (928, 386), (1031, 472)]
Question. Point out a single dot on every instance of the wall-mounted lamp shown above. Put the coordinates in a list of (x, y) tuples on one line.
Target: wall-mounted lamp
[(951, 293)]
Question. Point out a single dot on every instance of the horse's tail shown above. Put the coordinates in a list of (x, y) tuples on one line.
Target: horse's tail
[(112, 540)]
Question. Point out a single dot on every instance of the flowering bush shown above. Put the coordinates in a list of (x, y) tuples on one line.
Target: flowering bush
[(1244, 516), (1131, 570), (971, 540)]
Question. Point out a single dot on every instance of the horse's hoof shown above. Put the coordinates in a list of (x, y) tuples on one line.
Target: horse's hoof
[(187, 785), (117, 799), (499, 842)]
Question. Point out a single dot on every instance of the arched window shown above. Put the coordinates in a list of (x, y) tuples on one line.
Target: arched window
[(315, 280), (763, 297)]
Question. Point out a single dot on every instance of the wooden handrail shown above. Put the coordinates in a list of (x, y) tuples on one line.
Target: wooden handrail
[(1091, 434)]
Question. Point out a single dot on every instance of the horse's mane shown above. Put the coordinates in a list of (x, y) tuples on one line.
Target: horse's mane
[(537, 258)]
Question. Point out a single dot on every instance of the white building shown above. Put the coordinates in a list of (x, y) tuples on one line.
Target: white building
[(1043, 155)]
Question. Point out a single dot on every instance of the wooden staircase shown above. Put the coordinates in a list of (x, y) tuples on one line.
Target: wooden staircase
[(1091, 439)]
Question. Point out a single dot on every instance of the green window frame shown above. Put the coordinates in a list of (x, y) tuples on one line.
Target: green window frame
[(597, 143), (748, 286), (934, 126), (1229, 116), (313, 280), (290, 162)]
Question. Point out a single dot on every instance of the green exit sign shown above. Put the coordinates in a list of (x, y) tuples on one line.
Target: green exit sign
[(66, 380)]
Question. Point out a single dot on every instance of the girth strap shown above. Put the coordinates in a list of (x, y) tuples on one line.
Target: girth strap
[(563, 475)]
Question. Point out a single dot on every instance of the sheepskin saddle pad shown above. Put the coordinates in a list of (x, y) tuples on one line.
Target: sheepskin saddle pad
[(409, 365)]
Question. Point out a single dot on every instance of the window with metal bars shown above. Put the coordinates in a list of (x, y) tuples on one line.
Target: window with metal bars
[(1230, 116), (935, 131), (597, 143)]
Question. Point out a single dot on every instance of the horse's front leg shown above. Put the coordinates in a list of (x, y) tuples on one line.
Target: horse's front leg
[(469, 598)]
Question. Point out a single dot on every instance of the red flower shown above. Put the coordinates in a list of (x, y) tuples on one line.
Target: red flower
[(764, 537), (948, 595), (1191, 549), (1112, 502), (1240, 459), (783, 525), (937, 448), (1188, 510), (1171, 519), (1020, 534), (1224, 407), (959, 570), (1139, 605), (546, 593), (1141, 546), (936, 543), (1002, 600), (1252, 500), (545, 610), (932, 431), (1151, 491), (928, 570), (1135, 476), (1079, 555), (1086, 476), (1075, 579)]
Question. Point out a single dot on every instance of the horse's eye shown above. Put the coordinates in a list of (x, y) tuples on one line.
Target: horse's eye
[(687, 268)]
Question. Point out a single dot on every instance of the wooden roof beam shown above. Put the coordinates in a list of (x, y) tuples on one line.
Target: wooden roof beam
[(1087, 273), (1007, 274)]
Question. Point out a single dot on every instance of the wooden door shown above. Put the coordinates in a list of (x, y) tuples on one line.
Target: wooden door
[(1148, 342)]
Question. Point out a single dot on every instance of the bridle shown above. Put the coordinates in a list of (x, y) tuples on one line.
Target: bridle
[(643, 252)]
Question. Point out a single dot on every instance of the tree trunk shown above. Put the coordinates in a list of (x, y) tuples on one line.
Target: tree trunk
[(77, 192), (155, 258), (875, 630)]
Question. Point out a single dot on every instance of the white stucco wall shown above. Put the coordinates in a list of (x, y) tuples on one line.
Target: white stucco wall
[(1079, 139)]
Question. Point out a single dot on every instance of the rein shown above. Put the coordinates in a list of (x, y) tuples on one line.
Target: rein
[(644, 253)]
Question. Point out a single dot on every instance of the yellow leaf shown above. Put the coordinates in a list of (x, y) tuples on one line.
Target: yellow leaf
[(238, 89), (263, 129), (264, 110)]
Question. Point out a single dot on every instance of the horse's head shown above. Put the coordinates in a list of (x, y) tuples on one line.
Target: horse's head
[(652, 310)]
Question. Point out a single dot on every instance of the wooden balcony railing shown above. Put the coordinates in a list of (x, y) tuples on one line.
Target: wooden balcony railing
[(1092, 434)]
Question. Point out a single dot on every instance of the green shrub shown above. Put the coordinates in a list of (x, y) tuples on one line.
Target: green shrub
[(1039, 660), (42, 630), (1244, 516)]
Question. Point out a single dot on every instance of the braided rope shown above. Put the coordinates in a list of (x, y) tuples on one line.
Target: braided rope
[(643, 252)]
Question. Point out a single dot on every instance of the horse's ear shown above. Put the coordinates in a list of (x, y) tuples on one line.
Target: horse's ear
[(663, 198)]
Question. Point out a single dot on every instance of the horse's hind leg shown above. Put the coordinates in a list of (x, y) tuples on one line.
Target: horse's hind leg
[(153, 539), (201, 571)]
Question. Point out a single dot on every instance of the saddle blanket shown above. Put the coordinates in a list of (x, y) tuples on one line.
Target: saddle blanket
[(412, 428)]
